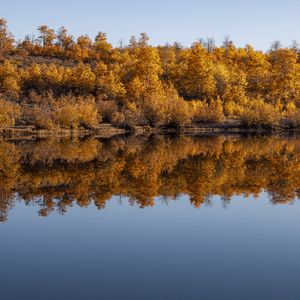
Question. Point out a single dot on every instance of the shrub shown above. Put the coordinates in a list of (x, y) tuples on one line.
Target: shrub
[(33, 98), (208, 113), (293, 118), (178, 112), (233, 109), (66, 114), (154, 110), (72, 112), (88, 115), (165, 107), (9, 79), (9, 112), (117, 119), (40, 116), (107, 109), (260, 114), (133, 117), (11, 87)]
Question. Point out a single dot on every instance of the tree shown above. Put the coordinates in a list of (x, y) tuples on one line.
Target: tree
[(9, 113), (6, 39), (209, 44), (102, 48), (82, 50), (195, 78), (47, 36), (64, 40), (276, 45)]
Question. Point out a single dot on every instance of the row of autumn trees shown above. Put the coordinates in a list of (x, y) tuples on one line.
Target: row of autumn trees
[(53, 174), (55, 80)]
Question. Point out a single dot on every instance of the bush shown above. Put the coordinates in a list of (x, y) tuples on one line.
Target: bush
[(154, 110), (63, 112), (88, 115), (208, 113), (41, 117), (66, 114), (133, 117), (293, 118), (9, 113), (178, 112), (118, 119), (165, 107), (107, 109), (9, 80), (260, 114), (73, 112), (233, 109)]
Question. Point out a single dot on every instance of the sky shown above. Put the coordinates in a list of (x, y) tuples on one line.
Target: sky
[(254, 22)]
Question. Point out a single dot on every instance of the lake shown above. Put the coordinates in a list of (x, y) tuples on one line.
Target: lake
[(150, 217)]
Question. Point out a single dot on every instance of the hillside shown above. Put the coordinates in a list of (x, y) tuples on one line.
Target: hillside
[(55, 81)]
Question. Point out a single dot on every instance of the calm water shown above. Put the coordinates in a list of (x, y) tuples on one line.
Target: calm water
[(150, 218)]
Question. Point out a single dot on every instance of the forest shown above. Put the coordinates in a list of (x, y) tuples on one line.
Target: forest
[(54, 174), (53, 80)]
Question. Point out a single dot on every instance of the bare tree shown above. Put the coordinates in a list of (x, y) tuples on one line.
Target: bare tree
[(276, 45), (295, 46), (209, 44)]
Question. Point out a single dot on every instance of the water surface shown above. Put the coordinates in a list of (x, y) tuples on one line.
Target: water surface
[(150, 218)]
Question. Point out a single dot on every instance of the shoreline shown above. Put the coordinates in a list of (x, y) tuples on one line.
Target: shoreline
[(108, 130)]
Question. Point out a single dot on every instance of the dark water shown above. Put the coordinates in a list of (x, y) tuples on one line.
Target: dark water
[(150, 218)]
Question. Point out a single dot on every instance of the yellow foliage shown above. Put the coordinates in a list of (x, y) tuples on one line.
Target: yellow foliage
[(70, 112), (232, 109), (9, 112), (259, 87), (208, 113), (145, 168), (178, 112), (40, 116), (293, 118), (260, 114), (9, 79), (117, 118)]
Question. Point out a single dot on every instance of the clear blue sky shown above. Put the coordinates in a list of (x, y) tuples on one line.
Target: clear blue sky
[(253, 21)]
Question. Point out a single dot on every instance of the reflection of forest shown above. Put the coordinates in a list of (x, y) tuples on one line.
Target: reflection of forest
[(54, 174)]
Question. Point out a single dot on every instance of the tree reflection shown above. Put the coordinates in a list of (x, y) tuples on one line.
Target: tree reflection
[(54, 174)]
